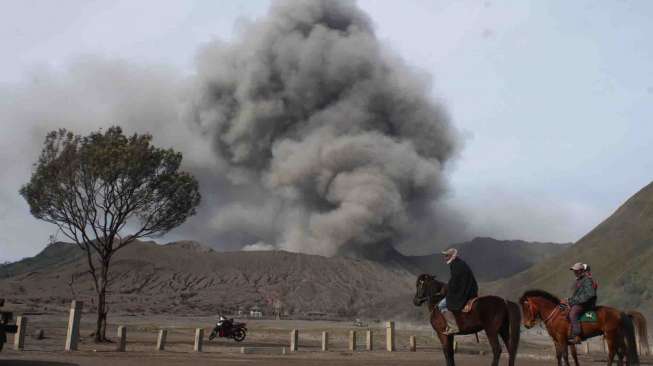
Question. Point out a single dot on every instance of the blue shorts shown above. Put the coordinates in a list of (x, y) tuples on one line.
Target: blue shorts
[(442, 305)]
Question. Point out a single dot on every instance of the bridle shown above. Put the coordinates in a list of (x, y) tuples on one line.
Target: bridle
[(536, 312), (426, 292)]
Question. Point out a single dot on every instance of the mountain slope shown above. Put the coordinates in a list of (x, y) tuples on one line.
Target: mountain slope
[(619, 250), (187, 277), (54, 255)]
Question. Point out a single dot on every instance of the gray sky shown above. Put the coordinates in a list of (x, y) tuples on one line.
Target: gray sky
[(554, 98)]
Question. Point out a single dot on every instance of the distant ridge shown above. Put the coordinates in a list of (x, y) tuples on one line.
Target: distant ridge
[(54, 255), (493, 259), (489, 258)]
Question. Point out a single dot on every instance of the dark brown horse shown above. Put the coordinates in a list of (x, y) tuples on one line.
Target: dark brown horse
[(615, 325), (494, 315)]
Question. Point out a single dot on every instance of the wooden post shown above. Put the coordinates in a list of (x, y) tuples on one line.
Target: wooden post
[(413, 344), (352, 340), (369, 340), (294, 340), (72, 336), (325, 341), (21, 329), (199, 339), (122, 339), (390, 336), (161, 340)]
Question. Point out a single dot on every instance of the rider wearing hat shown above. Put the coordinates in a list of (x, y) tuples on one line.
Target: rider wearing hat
[(461, 288), (583, 299)]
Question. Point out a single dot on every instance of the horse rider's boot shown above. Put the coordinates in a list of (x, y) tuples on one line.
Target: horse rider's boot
[(452, 326), (575, 340)]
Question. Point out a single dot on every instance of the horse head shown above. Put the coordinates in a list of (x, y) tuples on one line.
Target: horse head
[(428, 289), (532, 302)]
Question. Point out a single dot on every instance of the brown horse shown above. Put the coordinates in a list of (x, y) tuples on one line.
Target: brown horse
[(639, 320), (496, 316), (616, 326)]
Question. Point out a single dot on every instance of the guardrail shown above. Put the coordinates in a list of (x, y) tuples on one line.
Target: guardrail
[(74, 319)]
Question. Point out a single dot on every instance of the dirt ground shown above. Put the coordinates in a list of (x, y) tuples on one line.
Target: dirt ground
[(267, 338)]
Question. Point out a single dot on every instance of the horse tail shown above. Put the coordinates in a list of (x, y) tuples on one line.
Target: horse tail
[(642, 330), (631, 341), (514, 317)]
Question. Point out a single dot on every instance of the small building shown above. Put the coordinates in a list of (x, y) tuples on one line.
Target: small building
[(255, 312)]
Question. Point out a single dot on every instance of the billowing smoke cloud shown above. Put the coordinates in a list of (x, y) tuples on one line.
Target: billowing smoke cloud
[(305, 133), (333, 140)]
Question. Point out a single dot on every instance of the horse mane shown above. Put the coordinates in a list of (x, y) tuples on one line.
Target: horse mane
[(539, 293)]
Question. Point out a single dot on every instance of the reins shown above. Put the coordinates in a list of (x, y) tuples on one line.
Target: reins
[(434, 304), (551, 315)]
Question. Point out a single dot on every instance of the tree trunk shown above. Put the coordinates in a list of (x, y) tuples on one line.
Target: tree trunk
[(101, 324)]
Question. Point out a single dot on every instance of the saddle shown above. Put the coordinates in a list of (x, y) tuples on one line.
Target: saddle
[(588, 316), (470, 304)]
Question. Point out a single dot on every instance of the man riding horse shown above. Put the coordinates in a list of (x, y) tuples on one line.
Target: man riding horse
[(499, 318), (582, 300), (461, 288)]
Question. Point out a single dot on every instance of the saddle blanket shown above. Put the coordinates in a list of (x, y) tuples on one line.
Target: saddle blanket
[(589, 317)]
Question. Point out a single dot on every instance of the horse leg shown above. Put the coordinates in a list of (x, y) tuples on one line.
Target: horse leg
[(574, 354), (622, 352), (611, 340), (447, 348), (620, 355), (566, 353), (505, 336), (561, 350), (493, 338)]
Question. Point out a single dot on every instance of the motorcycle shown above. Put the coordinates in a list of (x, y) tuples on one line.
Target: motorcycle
[(227, 328)]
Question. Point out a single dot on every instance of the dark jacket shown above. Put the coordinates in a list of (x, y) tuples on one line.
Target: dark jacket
[(584, 292), (462, 285)]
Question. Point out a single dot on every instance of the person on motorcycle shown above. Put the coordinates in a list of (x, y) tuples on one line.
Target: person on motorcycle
[(223, 324), (582, 300), (461, 288)]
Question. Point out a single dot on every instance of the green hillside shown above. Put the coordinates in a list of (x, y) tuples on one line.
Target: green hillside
[(619, 250)]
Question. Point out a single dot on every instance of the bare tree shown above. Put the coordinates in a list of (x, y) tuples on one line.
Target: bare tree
[(106, 190)]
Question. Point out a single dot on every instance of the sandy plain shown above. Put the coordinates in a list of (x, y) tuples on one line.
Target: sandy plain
[(267, 339)]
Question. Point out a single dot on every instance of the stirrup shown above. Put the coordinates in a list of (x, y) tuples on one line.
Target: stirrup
[(575, 340)]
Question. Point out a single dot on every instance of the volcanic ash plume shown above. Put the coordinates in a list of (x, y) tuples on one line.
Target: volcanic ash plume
[(337, 139)]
